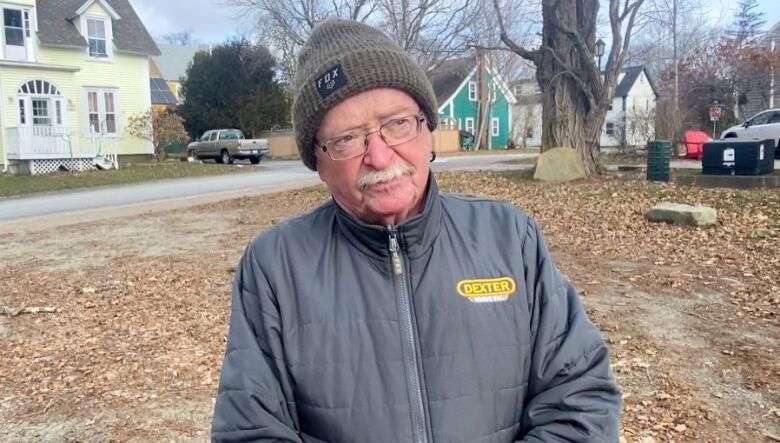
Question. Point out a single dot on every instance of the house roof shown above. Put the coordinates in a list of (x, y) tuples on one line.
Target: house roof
[(773, 34), (54, 29), (631, 74), (449, 75), (174, 60)]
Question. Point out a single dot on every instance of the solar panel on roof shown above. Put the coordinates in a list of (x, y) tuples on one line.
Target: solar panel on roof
[(161, 94), (159, 84)]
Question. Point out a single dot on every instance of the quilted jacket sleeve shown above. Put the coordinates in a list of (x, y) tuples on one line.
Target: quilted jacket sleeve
[(572, 395), (251, 403)]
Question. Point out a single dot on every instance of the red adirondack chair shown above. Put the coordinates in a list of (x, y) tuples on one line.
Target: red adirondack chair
[(694, 142)]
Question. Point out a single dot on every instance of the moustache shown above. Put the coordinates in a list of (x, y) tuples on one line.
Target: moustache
[(372, 178)]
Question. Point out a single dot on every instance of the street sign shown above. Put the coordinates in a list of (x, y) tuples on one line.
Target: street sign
[(715, 112)]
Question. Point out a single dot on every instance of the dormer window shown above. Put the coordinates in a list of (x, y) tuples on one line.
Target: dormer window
[(97, 37)]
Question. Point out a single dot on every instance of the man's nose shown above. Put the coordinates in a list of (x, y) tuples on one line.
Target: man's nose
[(379, 154)]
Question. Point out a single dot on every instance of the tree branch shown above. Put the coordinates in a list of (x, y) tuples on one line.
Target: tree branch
[(532, 56)]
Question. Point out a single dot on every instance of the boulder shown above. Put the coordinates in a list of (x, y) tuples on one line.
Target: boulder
[(682, 214), (559, 165)]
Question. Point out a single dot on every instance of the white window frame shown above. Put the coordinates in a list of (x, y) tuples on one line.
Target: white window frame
[(495, 126), (28, 27), (469, 124), (48, 107), (472, 91), (607, 130), (21, 107), (109, 36), (101, 94), (39, 89)]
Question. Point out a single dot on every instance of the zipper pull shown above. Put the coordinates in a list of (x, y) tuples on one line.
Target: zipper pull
[(398, 268)]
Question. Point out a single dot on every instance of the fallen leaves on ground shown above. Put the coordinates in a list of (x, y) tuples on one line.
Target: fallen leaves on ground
[(137, 332)]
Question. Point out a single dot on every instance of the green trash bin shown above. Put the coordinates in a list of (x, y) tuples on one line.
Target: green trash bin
[(659, 155)]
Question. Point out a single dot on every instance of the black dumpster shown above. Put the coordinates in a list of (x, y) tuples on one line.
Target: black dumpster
[(738, 157), (659, 155)]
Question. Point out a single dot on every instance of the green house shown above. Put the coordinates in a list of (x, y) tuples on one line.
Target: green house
[(473, 100)]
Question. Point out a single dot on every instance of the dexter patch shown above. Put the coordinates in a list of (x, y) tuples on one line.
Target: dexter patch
[(332, 80), (484, 290)]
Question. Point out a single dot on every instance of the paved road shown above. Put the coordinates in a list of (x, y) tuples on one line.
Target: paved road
[(276, 175)]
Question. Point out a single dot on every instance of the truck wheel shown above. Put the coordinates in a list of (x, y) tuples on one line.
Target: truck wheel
[(254, 160), (224, 157)]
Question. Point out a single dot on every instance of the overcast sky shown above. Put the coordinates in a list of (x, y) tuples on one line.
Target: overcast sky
[(212, 22), (215, 23)]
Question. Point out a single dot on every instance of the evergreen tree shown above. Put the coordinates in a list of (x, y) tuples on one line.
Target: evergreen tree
[(233, 87), (748, 23)]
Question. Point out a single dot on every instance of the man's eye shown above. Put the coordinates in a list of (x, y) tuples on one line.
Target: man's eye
[(400, 121), (345, 141)]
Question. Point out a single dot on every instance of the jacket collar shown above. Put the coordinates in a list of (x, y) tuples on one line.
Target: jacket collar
[(415, 235)]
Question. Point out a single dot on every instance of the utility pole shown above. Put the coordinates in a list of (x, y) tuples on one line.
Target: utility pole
[(676, 111), (482, 99)]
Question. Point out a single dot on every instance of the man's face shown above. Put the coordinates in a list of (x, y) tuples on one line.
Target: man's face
[(386, 185)]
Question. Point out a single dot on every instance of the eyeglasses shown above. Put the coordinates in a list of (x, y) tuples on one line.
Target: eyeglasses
[(354, 144)]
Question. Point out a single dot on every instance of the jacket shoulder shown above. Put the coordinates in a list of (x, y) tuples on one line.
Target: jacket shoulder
[(501, 216), (294, 234)]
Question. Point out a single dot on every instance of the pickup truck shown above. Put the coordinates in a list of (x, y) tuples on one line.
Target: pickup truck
[(226, 145)]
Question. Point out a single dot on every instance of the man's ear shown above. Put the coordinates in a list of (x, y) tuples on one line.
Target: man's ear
[(317, 154)]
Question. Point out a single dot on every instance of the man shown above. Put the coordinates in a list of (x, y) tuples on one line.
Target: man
[(394, 312)]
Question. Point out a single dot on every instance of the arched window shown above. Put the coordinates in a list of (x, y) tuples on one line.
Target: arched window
[(38, 87), (40, 104)]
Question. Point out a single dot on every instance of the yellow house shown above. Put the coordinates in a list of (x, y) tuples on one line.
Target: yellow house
[(71, 74)]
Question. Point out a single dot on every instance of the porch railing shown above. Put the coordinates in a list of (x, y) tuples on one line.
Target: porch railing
[(50, 142)]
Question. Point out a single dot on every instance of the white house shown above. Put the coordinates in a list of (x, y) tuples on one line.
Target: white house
[(72, 73), (630, 120)]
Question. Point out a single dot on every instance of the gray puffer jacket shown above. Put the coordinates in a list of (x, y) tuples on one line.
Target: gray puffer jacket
[(452, 326)]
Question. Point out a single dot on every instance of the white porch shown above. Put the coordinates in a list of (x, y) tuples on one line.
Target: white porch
[(44, 149)]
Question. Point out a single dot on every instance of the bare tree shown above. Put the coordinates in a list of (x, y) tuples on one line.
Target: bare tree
[(284, 25), (430, 30), (575, 95), (524, 26), (181, 38), (673, 29)]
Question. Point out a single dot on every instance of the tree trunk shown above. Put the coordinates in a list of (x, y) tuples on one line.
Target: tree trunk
[(568, 117), (575, 95)]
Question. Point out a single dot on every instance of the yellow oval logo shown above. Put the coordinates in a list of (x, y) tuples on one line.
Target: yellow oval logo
[(486, 287)]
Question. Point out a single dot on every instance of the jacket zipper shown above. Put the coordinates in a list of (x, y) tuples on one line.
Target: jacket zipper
[(410, 360)]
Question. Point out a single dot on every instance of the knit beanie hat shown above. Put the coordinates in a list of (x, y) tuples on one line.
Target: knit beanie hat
[(342, 58)]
